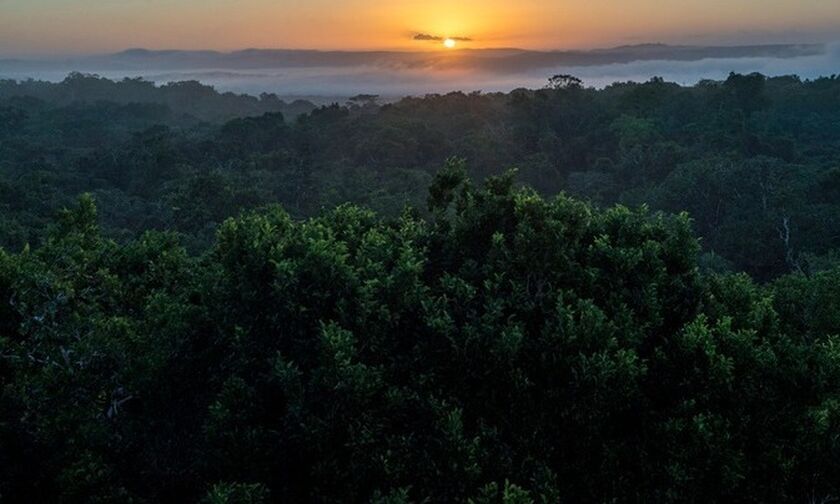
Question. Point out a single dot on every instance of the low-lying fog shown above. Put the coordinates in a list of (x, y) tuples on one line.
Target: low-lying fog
[(315, 74)]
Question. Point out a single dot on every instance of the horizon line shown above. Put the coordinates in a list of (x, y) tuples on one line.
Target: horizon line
[(118, 52)]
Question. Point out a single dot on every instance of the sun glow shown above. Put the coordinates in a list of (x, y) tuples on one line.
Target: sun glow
[(449, 43)]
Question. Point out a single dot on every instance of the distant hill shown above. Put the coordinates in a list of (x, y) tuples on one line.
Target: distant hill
[(499, 60)]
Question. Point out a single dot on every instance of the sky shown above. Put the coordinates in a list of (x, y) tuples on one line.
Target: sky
[(71, 27)]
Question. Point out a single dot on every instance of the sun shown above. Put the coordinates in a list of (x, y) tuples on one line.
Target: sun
[(449, 43)]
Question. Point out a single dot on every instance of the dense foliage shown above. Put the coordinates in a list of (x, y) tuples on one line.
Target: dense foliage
[(508, 349), (185, 101), (754, 160), (175, 336)]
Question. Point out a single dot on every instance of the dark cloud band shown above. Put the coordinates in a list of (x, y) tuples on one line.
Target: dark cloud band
[(435, 38)]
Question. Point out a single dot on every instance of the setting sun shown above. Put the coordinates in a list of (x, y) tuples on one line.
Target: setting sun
[(449, 43)]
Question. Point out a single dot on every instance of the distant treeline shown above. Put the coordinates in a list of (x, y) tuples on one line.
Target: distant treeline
[(185, 100), (754, 160)]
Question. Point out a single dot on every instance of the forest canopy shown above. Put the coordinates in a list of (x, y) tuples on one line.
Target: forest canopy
[(507, 349), (754, 160), (362, 303)]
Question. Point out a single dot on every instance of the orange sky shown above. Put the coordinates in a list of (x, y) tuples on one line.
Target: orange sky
[(75, 26)]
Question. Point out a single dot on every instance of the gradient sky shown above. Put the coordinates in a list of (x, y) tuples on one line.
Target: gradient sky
[(54, 27)]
